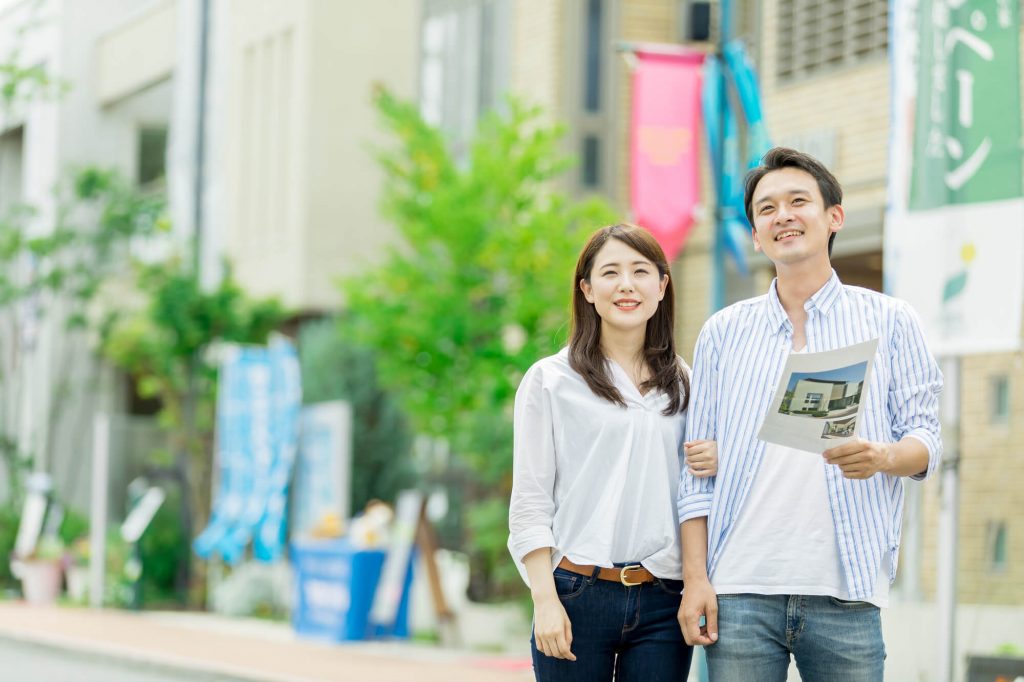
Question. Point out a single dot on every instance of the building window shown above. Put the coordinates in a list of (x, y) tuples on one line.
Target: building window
[(152, 159), (463, 66), (997, 552), (593, 56), (591, 166), (12, 145), (591, 85), (1000, 411), (821, 35)]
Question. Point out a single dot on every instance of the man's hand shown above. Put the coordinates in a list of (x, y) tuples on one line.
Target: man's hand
[(701, 457), (699, 599), (861, 458), (551, 628)]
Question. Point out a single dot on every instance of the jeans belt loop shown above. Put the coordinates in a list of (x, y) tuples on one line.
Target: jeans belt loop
[(593, 576)]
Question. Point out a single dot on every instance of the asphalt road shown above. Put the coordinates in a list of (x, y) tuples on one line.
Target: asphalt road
[(22, 662)]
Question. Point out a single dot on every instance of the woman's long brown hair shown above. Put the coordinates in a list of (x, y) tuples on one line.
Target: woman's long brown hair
[(659, 350)]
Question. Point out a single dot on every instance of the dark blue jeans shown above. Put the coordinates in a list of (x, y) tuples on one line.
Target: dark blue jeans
[(629, 631)]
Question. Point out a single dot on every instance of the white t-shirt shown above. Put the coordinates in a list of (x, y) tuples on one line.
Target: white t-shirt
[(784, 539), (594, 480)]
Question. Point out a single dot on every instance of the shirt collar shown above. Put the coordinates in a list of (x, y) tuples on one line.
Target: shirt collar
[(823, 300)]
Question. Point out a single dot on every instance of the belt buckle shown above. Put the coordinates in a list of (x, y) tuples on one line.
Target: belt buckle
[(622, 575)]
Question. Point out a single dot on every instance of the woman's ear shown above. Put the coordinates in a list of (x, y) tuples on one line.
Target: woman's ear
[(588, 292)]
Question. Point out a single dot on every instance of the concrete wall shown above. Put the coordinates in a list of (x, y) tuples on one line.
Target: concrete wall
[(302, 185)]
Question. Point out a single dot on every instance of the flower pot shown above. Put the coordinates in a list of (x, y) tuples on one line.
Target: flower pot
[(40, 581), (78, 583)]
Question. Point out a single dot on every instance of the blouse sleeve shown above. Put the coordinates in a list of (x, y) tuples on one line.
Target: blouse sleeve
[(532, 507)]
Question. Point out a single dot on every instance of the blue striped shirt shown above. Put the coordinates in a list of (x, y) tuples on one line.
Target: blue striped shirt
[(737, 364)]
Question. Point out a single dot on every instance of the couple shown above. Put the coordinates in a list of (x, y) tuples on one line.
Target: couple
[(782, 552)]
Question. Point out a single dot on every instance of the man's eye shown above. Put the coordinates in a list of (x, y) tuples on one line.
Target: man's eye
[(765, 209), (798, 200)]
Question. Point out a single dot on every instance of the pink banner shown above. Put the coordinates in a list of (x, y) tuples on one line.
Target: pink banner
[(663, 149)]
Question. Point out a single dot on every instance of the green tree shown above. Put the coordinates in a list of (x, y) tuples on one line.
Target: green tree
[(477, 292)]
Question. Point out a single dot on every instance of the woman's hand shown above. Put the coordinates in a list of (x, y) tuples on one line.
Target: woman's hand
[(701, 457), (552, 630)]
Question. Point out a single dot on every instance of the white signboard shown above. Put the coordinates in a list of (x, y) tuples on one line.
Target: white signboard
[(323, 476)]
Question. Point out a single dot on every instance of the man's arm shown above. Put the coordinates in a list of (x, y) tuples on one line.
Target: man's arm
[(913, 403), (699, 598), (694, 495)]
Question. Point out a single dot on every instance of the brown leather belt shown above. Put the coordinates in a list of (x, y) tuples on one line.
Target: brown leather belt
[(634, 574)]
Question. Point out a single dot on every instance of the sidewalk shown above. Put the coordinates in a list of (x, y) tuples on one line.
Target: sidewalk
[(245, 649)]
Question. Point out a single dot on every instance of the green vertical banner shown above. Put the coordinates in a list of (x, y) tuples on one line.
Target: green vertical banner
[(967, 117), (954, 224)]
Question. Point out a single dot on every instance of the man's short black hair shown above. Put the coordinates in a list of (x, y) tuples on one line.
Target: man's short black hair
[(778, 158)]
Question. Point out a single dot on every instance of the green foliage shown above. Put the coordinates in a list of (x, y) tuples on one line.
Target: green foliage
[(480, 288), (163, 345), (100, 213), (73, 526), (9, 519), (336, 369), (163, 547)]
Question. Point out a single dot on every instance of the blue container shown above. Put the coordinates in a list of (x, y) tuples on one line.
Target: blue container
[(334, 588)]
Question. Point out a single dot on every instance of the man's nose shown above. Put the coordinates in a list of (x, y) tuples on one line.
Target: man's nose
[(783, 214)]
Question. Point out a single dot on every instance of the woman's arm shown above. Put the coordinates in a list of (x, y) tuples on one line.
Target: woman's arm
[(551, 627)]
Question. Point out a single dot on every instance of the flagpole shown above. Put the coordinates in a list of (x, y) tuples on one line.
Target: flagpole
[(718, 250)]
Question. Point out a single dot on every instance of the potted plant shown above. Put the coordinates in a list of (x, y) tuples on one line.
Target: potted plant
[(41, 572)]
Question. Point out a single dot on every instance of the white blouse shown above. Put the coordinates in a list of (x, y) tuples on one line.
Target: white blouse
[(591, 479)]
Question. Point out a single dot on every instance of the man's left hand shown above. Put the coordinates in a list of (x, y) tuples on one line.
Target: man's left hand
[(860, 458)]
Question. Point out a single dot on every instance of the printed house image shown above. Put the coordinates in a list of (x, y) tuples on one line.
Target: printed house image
[(840, 428), (814, 395), (831, 393)]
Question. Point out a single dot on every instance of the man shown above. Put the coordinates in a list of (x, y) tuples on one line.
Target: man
[(789, 552)]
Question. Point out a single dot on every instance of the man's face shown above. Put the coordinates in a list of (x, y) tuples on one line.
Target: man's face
[(791, 223)]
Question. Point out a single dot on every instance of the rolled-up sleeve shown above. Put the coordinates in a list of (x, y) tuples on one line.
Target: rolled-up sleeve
[(694, 496), (914, 391), (532, 506)]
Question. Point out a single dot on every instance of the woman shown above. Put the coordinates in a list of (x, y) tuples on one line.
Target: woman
[(598, 430)]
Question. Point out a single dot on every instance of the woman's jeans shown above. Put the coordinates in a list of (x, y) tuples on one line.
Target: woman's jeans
[(629, 631), (831, 640)]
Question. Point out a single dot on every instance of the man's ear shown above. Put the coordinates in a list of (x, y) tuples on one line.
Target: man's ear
[(836, 218), (757, 242), (588, 291)]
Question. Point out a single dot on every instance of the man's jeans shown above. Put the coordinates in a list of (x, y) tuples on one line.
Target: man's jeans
[(831, 639), (637, 623)]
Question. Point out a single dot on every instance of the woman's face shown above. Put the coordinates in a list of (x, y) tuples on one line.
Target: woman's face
[(624, 286)]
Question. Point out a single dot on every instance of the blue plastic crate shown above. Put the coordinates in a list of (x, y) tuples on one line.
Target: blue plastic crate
[(334, 589)]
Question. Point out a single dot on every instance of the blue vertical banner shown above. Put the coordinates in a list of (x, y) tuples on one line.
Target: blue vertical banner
[(729, 78), (258, 401)]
